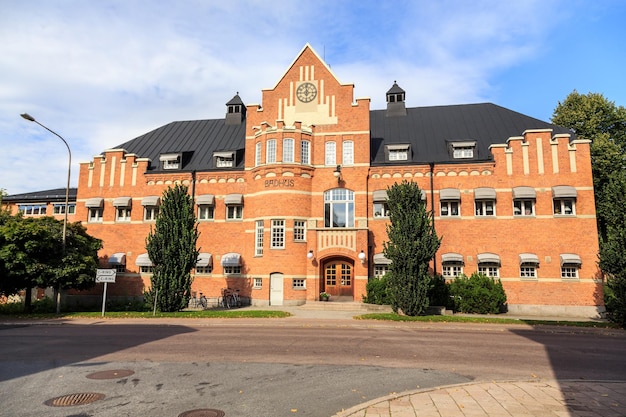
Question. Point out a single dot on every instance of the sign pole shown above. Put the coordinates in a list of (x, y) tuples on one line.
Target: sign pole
[(104, 297)]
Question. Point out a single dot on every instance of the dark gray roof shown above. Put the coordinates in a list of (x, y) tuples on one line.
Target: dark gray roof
[(58, 194), (197, 140), (429, 130)]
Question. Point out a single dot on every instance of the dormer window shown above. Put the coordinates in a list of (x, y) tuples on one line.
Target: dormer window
[(395, 98), (224, 159), (395, 101), (463, 150), (234, 108), (397, 152), (170, 160)]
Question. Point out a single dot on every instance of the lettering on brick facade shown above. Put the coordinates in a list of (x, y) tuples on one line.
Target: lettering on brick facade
[(278, 183)]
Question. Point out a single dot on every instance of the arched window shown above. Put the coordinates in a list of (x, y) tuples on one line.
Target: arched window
[(339, 208)]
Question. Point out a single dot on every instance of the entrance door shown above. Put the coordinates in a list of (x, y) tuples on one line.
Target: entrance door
[(276, 289), (338, 279)]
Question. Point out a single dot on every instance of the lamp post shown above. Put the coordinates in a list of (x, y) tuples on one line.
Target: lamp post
[(67, 191)]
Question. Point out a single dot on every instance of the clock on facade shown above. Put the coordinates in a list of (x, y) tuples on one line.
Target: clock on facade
[(306, 92)]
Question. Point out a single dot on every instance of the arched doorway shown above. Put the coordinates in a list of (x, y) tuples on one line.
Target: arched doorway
[(339, 277)]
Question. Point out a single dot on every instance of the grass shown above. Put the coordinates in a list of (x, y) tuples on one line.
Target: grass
[(201, 314), (480, 319)]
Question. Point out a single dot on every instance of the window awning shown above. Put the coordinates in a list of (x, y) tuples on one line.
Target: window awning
[(231, 259), (228, 154), (398, 147), (143, 260), (485, 193), (570, 259), (205, 200), (122, 202), (152, 200), (233, 199), (528, 258), (204, 259), (524, 192), (488, 258), (447, 194), (380, 195), (380, 259), (169, 157), (94, 202), (117, 259), (464, 144), (452, 258), (564, 191)]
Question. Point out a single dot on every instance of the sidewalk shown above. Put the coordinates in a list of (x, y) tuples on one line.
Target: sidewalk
[(502, 399)]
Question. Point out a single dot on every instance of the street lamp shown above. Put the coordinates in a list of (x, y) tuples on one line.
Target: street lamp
[(67, 188)]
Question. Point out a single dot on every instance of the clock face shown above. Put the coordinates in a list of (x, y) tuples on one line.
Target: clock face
[(306, 92)]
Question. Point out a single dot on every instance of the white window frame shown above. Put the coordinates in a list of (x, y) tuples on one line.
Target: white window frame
[(150, 213), (463, 152), (95, 215), (60, 209), (481, 208), (347, 152), (450, 208), (171, 161), (258, 238), (560, 206), (145, 269), (305, 152), (569, 271), (380, 271), (521, 207), (224, 161), (330, 153), (232, 270), (204, 270), (234, 212), (528, 270), (257, 155), (381, 210), (451, 269), (288, 151), (206, 212), (122, 214), (277, 232), (270, 151), (258, 283), (298, 284), (33, 209), (489, 269), (342, 200), (299, 230), (399, 154)]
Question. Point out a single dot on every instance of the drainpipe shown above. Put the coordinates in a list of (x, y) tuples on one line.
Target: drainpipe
[(193, 184), (432, 207)]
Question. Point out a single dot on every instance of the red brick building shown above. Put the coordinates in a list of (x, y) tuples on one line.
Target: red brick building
[(291, 195)]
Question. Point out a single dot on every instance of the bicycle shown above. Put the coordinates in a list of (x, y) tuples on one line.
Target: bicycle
[(230, 298)]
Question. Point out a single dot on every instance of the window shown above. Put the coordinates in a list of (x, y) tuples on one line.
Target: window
[(397, 152), (331, 154), (570, 264), (234, 212), (278, 234), (347, 153), (258, 283), (224, 159), (564, 202), (60, 209), (144, 269), (150, 213), (463, 150), (489, 264), (122, 214), (258, 238), (485, 201), (204, 270), (232, 270), (381, 209), (451, 265), (305, 152), (485, 208), (339, 208), (528, 265), (380, 271), (288, 154), (170, 160), (524, 201), (95, 215), (257, 155), (270, 151), (299, 230), (33, 210), (206, 212), (120, 269), (450, 199), (299, 284)]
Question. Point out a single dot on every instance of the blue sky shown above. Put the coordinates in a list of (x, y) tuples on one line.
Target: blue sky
[(100, 73)]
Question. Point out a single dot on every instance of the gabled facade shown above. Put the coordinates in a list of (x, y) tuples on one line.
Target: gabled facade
[(291, 192)]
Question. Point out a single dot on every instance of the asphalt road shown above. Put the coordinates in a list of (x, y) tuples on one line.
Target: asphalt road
[(278, 367)]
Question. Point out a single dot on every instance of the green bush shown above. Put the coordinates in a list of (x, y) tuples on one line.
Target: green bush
[(45, 305), (477, 294), (439, 293), (377, 292)]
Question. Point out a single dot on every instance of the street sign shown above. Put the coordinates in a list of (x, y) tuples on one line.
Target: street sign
[(105, 275)]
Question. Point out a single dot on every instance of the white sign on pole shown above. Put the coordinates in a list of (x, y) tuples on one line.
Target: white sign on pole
[(105, 275)]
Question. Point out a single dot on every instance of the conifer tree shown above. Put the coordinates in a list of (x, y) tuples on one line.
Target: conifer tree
[(172, 249), (412, 243)]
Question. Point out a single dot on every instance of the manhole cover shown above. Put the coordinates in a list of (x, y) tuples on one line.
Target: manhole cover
[(202, 412), (74, 399), (113, 374)]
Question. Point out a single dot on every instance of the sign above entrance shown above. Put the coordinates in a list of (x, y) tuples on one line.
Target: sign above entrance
[(279, 183)]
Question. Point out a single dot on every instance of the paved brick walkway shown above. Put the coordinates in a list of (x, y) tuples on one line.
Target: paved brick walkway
[(503, 399)]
